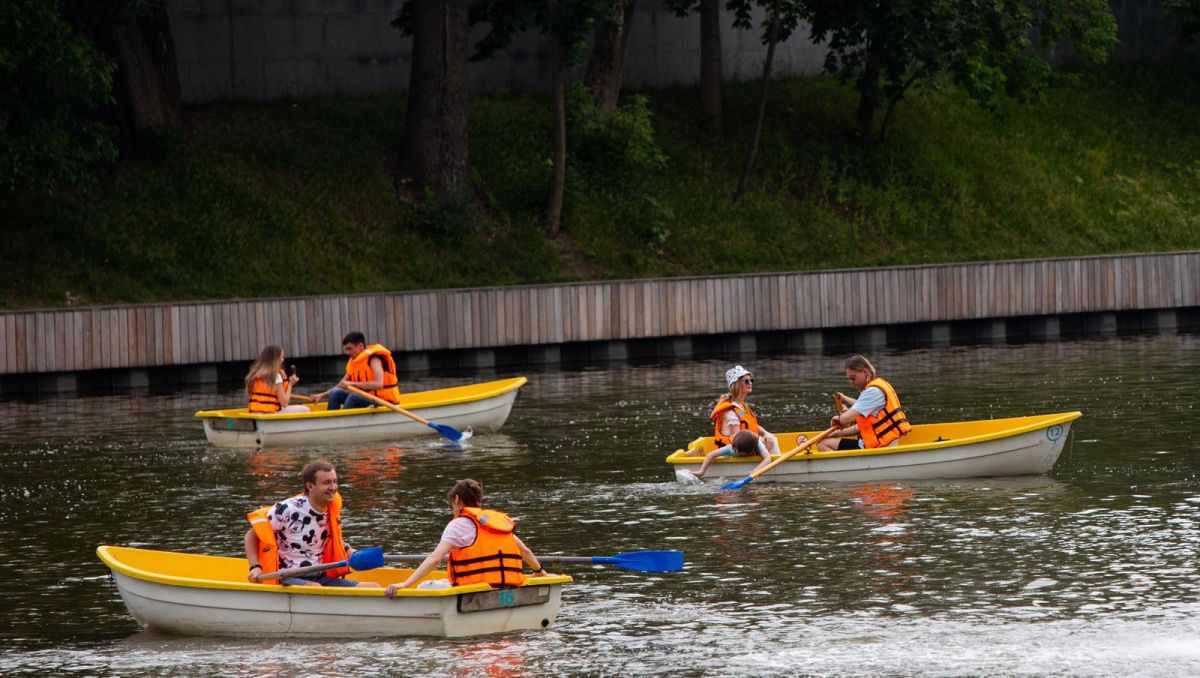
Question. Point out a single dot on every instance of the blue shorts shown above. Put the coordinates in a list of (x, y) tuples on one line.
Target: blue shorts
[(320, 578)]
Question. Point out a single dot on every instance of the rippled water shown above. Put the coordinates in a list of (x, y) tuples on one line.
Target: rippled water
[(1090, 570)]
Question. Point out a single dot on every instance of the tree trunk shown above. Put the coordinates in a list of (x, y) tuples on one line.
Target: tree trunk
[(710, 64), (606, 66), (868, 90), (559, 174), (434, 154), (752, 152), (891, 106), (146, 86)]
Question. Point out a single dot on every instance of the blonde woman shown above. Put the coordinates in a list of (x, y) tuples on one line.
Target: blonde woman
[(267, 386), (731, 413), (874, 419)]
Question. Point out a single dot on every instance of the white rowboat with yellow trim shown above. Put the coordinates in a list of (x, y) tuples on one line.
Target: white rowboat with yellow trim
[(199, 595), (482, 407), (990, 447)]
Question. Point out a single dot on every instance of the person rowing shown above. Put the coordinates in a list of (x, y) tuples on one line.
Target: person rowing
[(874, 419), (302, 531), (371, 369), (478, 543)]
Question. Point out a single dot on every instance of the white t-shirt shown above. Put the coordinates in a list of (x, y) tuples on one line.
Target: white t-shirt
[(460, 532), (870, 401), (300, 532)]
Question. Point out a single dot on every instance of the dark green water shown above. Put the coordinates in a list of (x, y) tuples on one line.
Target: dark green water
[(1090, 570)]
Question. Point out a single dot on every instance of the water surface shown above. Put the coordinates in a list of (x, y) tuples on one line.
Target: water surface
[(1089, 570)]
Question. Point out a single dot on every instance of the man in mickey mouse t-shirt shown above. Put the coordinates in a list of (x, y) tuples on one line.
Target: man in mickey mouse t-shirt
[(301, 531)]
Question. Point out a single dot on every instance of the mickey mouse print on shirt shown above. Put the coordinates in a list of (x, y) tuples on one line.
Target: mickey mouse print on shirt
[(300, 532)]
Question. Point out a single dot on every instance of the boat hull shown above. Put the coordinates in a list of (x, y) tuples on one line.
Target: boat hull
[(483, 409), (1027, 449), (262, 611)]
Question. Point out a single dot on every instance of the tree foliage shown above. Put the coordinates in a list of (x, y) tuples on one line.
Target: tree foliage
[(1187, 12), (50, 82), (991, 48)]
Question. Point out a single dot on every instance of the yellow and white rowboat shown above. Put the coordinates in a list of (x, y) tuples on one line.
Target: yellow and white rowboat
[(190, 594), (482, 407), (990, 447)]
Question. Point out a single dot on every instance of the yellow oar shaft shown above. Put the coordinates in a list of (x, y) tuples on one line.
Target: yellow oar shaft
[(380, 401), (794, 451)]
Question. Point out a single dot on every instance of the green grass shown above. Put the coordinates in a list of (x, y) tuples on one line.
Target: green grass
[(296, 198)]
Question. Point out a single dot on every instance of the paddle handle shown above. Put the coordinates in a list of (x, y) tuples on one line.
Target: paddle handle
[(300, 571), (573, 560), (793, 452), (570, 560), (405, 557), (301, 397), (837, 402), (380, 401)]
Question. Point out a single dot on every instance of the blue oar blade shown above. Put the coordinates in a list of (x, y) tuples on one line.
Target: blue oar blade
[(645, 561), (367, 559), (448, 431), (737, 484)]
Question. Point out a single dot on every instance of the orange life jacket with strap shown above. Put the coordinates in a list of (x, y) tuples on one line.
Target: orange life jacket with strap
[(888, 424), (746, 418), (359, 369), (493, 558), (268, 549), (263, 397)]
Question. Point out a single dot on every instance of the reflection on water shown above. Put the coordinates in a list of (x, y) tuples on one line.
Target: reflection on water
[(1090, 570)]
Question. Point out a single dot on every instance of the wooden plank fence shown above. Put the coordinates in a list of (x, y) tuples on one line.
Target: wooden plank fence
[(133, 336)]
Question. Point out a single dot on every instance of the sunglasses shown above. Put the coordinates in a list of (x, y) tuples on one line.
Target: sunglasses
[(748, 380)]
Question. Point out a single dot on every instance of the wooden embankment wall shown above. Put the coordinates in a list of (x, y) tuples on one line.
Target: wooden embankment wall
[(75, 340)]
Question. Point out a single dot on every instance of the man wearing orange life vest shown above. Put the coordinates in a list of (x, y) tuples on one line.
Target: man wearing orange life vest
[(301, 531), (873, 419), (371, 368), (478, 543)]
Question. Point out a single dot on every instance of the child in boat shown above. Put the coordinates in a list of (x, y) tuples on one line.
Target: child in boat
[(744, 444), (267, 386)]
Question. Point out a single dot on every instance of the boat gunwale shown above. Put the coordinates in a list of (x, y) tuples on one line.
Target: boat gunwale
[(502, 386), (107, 555), (680, 456)]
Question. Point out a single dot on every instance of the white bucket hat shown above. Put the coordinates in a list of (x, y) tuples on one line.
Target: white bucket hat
[(734, 373)]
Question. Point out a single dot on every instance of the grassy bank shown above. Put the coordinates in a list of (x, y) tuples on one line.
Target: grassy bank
[(295, 198)]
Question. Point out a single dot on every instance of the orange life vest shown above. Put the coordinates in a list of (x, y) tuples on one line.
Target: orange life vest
[(888, 424), (359, 369), (268, 550), (493, 558), (263, 397), (746, 417)]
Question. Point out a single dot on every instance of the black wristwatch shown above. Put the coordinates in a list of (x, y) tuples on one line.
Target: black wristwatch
[(256, 565)]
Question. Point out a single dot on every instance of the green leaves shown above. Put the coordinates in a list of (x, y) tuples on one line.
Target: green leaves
[(1187, 12), (982, 45), (50, 82)]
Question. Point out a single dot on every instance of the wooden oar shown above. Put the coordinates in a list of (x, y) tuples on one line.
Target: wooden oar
[(362, 559), (448, 431), (639, 561), (301, 397), (738, 484), (837, 402)]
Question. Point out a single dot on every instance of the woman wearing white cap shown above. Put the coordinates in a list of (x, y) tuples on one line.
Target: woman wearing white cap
[(732, 414)]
